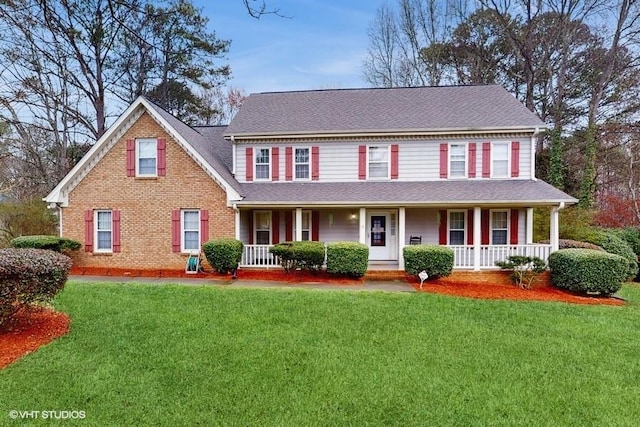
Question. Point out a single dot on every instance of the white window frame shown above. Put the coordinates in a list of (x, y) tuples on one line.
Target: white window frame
[(97, 230), (466, 160), (506, 229), (295, 163), (184, 230), (380, 146), (256, 229), (507, 174), (268, 163), (308, 230), (138, 158), (463, 229)]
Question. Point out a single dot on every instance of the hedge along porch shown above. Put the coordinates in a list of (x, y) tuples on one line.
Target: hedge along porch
[(479, 236)]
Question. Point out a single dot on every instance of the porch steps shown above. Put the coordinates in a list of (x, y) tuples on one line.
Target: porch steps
[(385, 275)]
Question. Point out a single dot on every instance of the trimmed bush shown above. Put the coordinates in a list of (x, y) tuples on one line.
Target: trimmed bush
[(613, 244), (29, 276), (437, 261), (54, 243), (224, 255), (347, 258), (299, 255), (631, 235), (588, 271)]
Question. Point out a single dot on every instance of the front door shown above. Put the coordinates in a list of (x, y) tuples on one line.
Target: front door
[(380, 235)]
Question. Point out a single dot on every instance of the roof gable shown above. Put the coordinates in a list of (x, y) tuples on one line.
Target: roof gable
[(442, 108)]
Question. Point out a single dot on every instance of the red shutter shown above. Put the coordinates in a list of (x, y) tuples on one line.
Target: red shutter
[(315, 163), (486, 160), (175, 230), (162, 157), (204, 226), (442, 230), (115, 230), (394, 161), (251, 227), (470, 227), (288, 163), (513, 227), (472, 160), (249, 163), (275, 163), (288, 225), (444, 160), (362, 162), (275, 227), (484, 226), (88, 230), (315, 226), (131, 157), (515, 159)]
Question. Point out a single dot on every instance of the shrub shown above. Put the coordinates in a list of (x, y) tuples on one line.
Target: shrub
[(347, 258), (611, 243), (437, 261), (54, 243), (525, 269), (29, 276), (631, 235), (588, 271), (224, 255), (299, 255)]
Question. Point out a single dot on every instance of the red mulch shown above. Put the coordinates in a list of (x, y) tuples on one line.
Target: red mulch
[(28, 331)]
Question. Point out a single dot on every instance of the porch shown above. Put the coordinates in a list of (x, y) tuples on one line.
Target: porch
[(464, 256)]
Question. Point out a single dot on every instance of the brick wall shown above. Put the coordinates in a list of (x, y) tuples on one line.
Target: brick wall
[(145, 204)]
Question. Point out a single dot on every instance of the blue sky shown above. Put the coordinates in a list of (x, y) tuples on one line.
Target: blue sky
[(320, 45)]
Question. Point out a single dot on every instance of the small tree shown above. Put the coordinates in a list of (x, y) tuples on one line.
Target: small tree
[(525, 269)]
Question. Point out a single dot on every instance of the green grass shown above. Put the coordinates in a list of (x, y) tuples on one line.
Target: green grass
[(178, 355)]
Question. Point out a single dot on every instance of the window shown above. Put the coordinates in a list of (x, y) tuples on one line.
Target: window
[(103, 231), (457, 227), (457, 161), (500, 160), (146, 157), (262, 226), (306, 225), (378, 162), (190, 230), (263, 167), (302, 163), (499, 227)]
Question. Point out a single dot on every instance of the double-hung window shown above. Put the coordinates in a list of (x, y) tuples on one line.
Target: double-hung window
[(263, 164), (500, 160), (457, 220), (457, 161), (379, 162), (146, 157), (499, 227), (190, 230), (262, 227), (103, 231), (302, 160)]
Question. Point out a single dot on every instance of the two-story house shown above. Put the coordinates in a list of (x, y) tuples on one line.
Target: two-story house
[(385, 167)]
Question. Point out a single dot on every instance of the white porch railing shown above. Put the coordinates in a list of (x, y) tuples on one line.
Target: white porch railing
[(463, 256), (258, 256)]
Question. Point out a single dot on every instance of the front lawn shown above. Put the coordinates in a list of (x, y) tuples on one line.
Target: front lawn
[(180, 355)]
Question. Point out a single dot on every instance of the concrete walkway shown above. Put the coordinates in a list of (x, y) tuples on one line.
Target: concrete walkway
[(374, 285)]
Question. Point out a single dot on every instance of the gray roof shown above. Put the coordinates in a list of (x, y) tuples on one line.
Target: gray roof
[(487, 192), (382, 110)]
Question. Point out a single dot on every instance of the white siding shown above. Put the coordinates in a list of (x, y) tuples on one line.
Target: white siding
[(421, 222), (341, 227)]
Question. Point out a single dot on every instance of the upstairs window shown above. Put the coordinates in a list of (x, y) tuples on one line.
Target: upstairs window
[(146, 157), (379, 162), (500, 160), (263, 164), (302, 160), (457, 161)]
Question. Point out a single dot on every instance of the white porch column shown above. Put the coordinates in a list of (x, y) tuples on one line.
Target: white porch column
[(363, 226), (298, 236), (401, 237), (477, 237), (554, 229), (529, 233), (236, 213)]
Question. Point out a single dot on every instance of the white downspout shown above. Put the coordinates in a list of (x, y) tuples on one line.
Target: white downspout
[(554, 229)]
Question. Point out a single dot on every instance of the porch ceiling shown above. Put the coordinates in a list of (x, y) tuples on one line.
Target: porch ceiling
[(398, 193)]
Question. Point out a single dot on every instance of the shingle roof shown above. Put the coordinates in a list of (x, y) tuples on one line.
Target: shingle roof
[(487, 192), (382, 110)]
